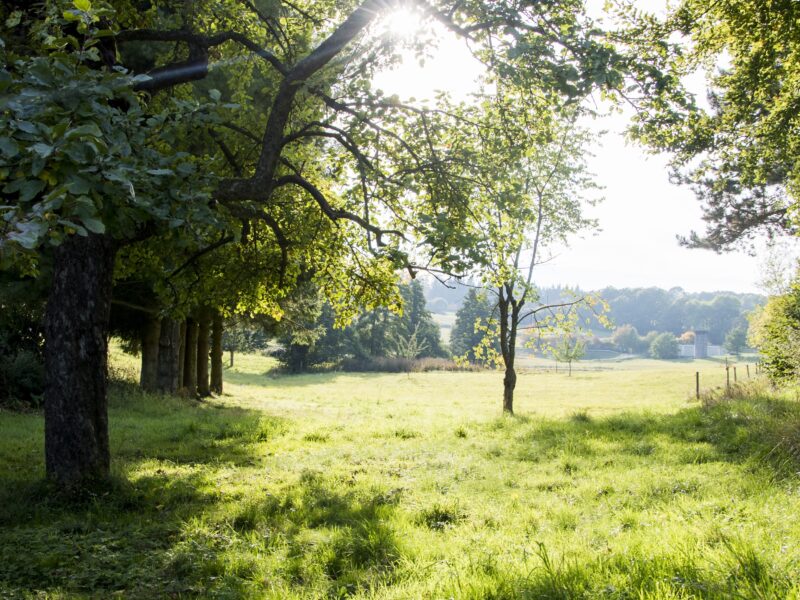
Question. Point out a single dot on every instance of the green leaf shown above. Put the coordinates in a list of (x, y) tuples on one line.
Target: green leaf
[(29, 189), (14, 19), (83, 5), (78, 185), (214, 94), (27, 127), (159, 172), (89, 129), (8, 147), (43, 150), (94, 225)]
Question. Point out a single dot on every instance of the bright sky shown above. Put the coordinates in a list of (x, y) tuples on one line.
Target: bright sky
[(642, 212)]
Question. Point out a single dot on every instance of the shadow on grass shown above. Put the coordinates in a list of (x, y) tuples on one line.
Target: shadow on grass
[(277, 379), (751, 424), (167, 525)]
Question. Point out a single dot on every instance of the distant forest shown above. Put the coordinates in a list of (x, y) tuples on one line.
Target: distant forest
[(647, 309)]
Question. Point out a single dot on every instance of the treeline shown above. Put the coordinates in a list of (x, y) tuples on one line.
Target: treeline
[(646, 309), (677, 311)]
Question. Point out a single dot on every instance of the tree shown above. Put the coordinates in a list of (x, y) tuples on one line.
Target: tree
[(415, 328), (736, 340), (775, 331), (740, 155), (626, 338), (664, 346), (473, 320), (569, 349), (92, 169), (530, 196)]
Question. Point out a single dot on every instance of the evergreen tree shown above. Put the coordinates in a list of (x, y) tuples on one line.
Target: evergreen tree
[(472, 321)]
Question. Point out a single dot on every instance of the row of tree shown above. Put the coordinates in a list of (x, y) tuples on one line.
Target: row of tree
[(134, 173)]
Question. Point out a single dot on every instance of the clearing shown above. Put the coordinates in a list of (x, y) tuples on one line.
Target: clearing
[(612, 483)]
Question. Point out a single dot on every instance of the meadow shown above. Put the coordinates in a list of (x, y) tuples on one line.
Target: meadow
[(612, 483)]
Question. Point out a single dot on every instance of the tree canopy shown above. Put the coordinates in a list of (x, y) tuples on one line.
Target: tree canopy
[(739, 150)]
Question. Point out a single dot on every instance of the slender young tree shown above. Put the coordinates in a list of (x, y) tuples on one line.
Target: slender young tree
[(533, 198)]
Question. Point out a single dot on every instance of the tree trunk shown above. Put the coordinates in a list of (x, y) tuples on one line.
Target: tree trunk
[(181, 353), (203, 333), (76, 361), (216, 354), (190, 359), (151, 333), (169, 346), (509, 383)]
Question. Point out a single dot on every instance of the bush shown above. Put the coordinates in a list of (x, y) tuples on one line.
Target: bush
[(626, 338), (403, 365), (664, 346), (775, 331), (21, 343), (21, 378)]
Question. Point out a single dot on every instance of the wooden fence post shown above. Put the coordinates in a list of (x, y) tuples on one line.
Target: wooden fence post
[(727, 378), (697, 384), (748, 370), (735, 379)]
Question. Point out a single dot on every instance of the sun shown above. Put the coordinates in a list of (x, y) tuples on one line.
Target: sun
[(403, 23)]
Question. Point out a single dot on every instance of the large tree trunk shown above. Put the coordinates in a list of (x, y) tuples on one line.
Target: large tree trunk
[(190, 359), (216, 354), (168, 355), (151, 332), (76, 361), (203, 335)]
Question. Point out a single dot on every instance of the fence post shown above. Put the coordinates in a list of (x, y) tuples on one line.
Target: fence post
[(735, 379), (727, 378), (748, 370), (697, 384)]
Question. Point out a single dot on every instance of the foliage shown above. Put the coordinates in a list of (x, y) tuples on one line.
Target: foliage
[(21, 341), (469, 331), (775, 331), (66, 160), (243, 335), (569, 349), (626, 338), (664, 346), (312, 334), (736, 340), (676, 311), (740, 154)]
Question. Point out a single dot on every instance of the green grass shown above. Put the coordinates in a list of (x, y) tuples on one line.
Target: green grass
[(608, 484)]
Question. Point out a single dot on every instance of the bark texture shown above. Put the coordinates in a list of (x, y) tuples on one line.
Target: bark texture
[(151, 334), (190, 358), (216, 354), (181, 353), (168, 355), (76, 361), (509, 321), (203, 337)]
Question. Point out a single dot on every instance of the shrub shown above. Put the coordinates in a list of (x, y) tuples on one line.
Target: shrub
[(664, 346), (21, 378), (394, 364)]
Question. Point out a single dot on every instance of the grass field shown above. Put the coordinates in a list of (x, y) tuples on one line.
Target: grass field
[(612, 483)]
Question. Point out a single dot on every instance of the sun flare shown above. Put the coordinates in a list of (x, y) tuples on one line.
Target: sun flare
[(403, 23)]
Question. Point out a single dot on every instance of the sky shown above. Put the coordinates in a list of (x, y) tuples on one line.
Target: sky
[(640, 216)]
